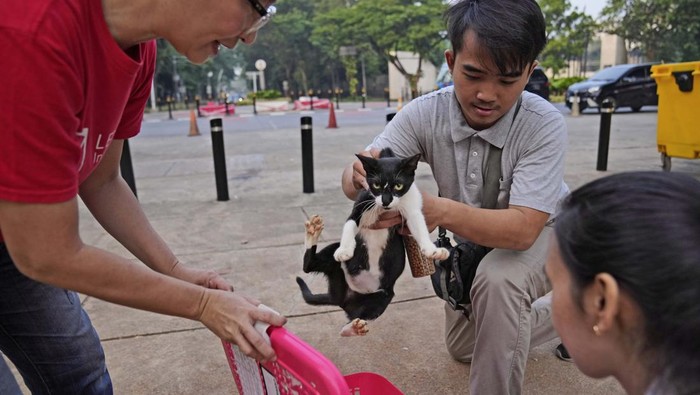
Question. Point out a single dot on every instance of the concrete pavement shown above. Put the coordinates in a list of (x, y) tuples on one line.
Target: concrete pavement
[(256, 241)]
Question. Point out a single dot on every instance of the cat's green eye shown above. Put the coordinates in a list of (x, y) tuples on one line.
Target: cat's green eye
[(376, 185), (398, 187)]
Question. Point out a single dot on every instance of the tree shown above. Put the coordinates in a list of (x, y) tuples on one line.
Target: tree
[(568, 34), (683, 44), (174, 71), (666, 30), (387, 26)]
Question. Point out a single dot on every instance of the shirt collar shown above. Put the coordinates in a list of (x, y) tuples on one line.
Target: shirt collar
[(495, 135)]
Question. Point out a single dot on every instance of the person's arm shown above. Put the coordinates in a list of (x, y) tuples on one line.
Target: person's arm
[(514, 228), (45, 244), (111, 202)]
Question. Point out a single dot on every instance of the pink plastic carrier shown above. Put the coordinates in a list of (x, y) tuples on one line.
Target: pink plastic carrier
[(299, 370)]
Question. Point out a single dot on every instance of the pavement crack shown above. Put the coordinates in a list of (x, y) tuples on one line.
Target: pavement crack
[(116, 338), (340, 310)]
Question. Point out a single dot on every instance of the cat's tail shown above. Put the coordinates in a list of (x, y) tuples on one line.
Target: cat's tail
[(313, 299)]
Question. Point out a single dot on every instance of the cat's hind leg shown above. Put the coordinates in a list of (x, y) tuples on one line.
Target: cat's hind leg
[(356, 327)]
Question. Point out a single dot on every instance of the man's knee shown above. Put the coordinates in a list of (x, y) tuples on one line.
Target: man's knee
[(459, 335), (458, 350)]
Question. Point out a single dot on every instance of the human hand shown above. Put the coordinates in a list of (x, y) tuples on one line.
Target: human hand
[(231, 316), (387, 220), (205, 278), (359, 176)]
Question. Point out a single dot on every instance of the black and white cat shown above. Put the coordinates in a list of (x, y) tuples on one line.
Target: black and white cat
[(363, 267)]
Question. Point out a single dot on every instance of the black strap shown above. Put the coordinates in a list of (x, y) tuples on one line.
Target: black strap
[(492, 173)]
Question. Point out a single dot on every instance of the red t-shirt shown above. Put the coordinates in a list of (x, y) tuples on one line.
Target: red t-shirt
[(66, 91)]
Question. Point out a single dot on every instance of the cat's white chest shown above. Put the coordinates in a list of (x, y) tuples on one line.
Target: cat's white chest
[(368, 281), (375, 240)]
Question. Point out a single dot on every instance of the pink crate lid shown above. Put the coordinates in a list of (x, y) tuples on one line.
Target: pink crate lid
[(300, 370)]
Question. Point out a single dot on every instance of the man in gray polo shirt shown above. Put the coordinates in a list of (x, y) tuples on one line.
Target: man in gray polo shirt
[(494, 47)]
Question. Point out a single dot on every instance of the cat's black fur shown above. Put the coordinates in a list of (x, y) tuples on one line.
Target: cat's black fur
[(383, 175)]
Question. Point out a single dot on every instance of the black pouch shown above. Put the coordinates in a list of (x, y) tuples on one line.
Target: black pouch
[(454, 276)]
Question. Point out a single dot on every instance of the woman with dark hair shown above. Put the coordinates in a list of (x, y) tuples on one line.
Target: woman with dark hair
[(625, 272)]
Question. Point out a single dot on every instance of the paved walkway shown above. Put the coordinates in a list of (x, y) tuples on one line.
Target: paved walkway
[(256, 240)]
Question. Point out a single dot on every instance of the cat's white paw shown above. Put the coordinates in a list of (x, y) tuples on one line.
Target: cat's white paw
[(356, 327), (314, 226), (435, 253), (343, 254)]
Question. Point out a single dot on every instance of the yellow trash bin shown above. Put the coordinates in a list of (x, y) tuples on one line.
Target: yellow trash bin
[(678, 128)]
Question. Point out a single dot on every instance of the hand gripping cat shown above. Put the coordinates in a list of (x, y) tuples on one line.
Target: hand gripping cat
[(363, 267)]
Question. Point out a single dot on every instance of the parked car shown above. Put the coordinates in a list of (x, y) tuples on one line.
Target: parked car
[(626, 85), (538, 83)]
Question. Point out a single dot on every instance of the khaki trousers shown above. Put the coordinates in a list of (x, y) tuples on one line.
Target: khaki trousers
[(509, 314)]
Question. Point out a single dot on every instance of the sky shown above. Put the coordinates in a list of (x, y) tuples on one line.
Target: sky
[(593, 7)]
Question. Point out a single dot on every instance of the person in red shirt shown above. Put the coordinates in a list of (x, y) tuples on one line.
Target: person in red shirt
[(97, 58)]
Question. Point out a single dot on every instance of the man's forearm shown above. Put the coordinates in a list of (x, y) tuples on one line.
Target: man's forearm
[(115, 207), (511, 228), (107, 276)]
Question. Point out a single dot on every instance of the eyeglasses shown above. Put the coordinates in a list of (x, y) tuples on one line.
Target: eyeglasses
[(265, 16)]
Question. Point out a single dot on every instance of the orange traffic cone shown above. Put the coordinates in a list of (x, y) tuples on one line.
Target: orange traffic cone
[(399, 105), (332, 124), (194, 129)]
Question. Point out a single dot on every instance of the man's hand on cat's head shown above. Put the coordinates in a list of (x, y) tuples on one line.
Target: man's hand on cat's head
[(359, 176)]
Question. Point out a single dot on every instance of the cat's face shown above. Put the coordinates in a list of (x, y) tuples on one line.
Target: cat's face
[(389, 178)]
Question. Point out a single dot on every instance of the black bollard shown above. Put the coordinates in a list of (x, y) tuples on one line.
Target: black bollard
[(170, 108), (199, 113), (217, 143), (606, 110), (307, 154), (388, 98), (390, 116), (226, 105), (126, 167), (363, 100), (255, 110)]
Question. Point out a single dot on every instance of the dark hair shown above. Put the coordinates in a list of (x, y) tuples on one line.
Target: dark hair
[(643, 228), (512, 31)]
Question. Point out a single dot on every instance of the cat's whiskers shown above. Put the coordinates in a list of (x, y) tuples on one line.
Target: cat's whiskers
[(368, 205)]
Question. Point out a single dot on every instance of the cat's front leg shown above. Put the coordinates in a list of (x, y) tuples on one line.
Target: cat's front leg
[(419, 231), (346, 250)]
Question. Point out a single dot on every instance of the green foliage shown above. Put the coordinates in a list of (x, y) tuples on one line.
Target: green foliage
[(667, 30), (568, 34), (385, 27), (301, 44), (559, 85), (266, 94)]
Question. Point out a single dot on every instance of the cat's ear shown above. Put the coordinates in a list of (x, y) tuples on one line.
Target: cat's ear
[(369, 163), (411, 163)]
